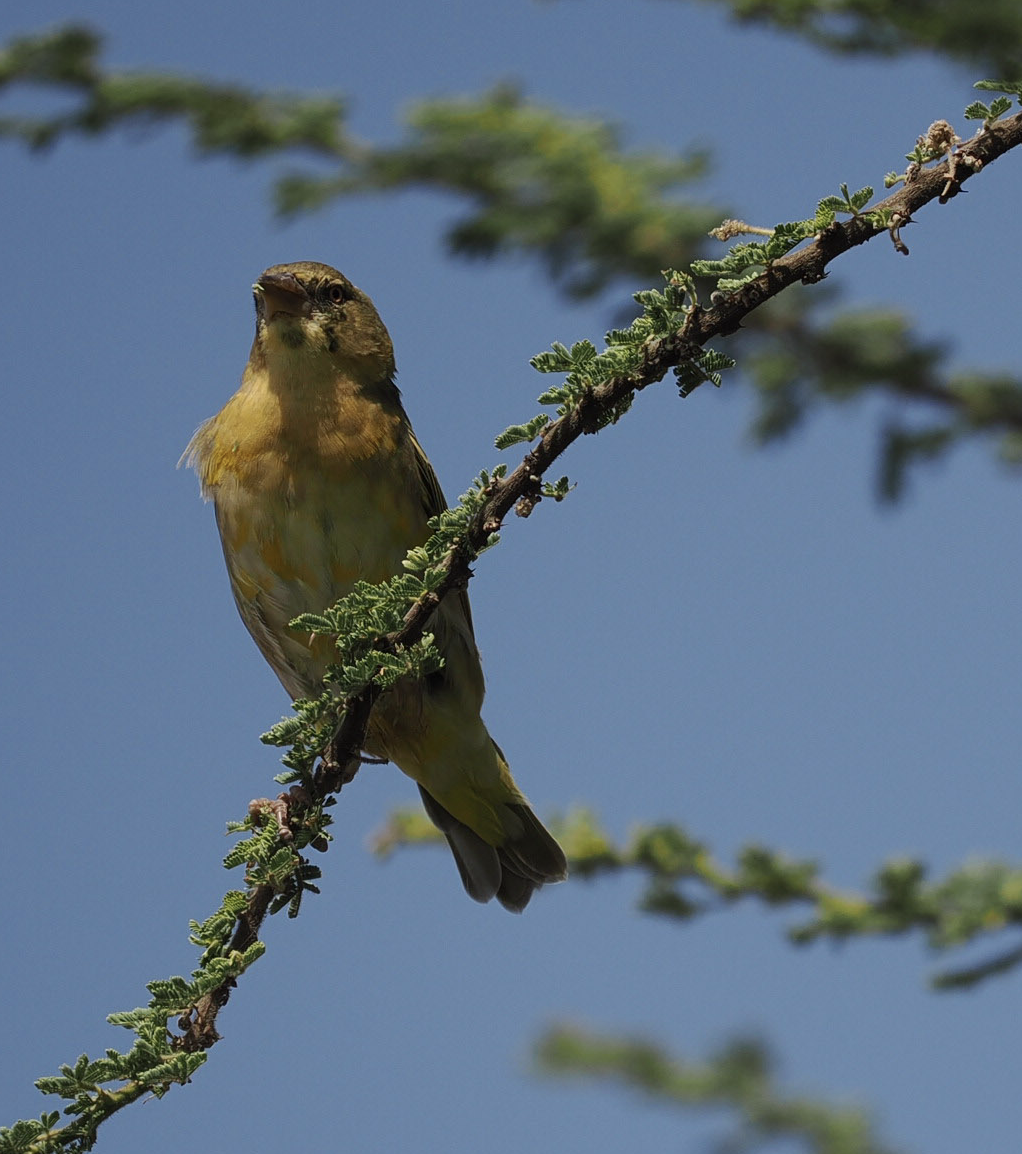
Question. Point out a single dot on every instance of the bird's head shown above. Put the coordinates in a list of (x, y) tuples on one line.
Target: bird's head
[(309, 313)]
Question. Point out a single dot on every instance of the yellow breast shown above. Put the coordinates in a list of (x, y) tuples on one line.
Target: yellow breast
[(309, 499)]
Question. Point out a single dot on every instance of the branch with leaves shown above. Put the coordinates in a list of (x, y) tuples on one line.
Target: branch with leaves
[(992, 42), (381, 630), (222, 118), (739, 1077), (563, 190), (683, 881)]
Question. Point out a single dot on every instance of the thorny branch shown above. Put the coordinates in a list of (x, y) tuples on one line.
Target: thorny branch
[(659, 355)]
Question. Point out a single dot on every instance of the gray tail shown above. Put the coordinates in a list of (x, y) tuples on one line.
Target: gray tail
[(511, 872)]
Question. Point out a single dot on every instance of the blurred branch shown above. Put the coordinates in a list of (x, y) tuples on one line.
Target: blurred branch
[(989, 37), (684, 881), (740, 1076), (563, 190), (536, 182), (798, 361), (222, 118)]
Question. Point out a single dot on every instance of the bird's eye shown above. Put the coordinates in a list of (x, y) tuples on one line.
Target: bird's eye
[(338, 293)]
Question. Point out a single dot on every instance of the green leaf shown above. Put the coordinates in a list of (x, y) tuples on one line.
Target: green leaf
[(1011, 87), (518, 434)]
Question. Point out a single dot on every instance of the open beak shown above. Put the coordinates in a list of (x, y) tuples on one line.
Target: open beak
[(281, 293)]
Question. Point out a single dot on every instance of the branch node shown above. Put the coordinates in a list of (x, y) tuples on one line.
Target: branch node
[(279, 808), (530, 498)]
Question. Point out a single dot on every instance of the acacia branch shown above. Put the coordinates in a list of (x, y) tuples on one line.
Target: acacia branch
[(659, 355), (295, 819)]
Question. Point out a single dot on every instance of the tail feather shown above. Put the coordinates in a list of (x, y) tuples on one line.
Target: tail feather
[(477, 862), (535, 854), (511, 872), (515, 891)]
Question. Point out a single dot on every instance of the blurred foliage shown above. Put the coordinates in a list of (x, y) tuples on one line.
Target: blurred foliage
[(740, 1077), (564, 190), (684, 881), (988, 36), (537, 182), (222, 118), (809, 353)]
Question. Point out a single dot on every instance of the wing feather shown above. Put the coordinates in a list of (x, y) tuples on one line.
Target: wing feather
[(435, 503)]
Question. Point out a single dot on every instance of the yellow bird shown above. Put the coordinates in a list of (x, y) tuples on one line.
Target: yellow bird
[(318, 482)]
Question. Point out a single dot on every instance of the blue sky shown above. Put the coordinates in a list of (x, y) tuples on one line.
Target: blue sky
[(738, 640)]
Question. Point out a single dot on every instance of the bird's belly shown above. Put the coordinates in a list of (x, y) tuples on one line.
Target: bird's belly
[(299, 551)]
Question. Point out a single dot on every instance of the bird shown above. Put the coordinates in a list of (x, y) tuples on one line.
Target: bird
[(317, 482)]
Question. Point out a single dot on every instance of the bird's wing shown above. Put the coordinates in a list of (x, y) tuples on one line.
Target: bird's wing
[(435, 503), (433, 496)]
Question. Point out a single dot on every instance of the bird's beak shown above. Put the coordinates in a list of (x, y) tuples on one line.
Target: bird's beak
[(281, 293)]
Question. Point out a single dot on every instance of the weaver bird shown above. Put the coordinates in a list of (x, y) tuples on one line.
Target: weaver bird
[(318, 482)]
